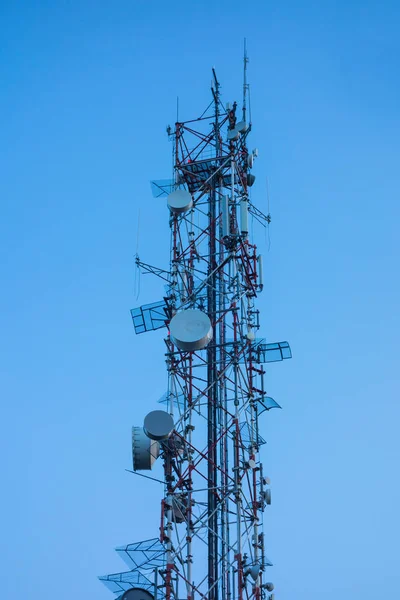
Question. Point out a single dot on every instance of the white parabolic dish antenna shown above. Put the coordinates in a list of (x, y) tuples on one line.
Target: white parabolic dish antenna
[(191, 330), (144, 450), (136, 594), (158, 425), (242, 126), (233, 134), (180, 201)]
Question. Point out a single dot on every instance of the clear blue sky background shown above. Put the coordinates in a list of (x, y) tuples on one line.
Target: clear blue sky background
[(87, 89)]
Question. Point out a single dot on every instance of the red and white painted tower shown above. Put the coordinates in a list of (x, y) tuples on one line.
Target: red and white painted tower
[(211, 543)]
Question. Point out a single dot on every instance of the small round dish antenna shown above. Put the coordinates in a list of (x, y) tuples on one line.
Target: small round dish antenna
[(136, 594), (144, 450), (242, 126), (191, 330), (158, 425), (233, 134), (253, 571), (250, 179), (269, 586), (251, 464), (180, 201)]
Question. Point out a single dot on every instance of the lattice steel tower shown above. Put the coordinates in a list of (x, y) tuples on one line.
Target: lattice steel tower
[(211, 544)]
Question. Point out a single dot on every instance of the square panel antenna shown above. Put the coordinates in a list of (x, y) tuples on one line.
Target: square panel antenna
[(150, 317), (121, 582), (177, 399), (266, 403), (262, 352), (149, 554), (160, 188), (245, 433), (266, 353)]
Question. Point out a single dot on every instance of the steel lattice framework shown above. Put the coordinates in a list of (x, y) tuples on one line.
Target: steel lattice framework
[(211, 540)]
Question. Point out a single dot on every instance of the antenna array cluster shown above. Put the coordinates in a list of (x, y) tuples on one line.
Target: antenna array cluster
[(211, 542)]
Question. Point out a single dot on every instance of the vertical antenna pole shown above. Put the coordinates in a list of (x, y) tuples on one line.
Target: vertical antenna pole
[(212, 379), (245, 85)]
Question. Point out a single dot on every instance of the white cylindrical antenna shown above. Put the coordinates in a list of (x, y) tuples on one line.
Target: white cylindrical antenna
[(233, 192), (260, 272), (225, 215), (244, 216), (250, 334), (184, 286)]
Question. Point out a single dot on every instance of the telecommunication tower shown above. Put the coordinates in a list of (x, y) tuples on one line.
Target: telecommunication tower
[(210, 544)]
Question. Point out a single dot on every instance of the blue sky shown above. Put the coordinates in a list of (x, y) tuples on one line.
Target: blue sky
[(87, 90)]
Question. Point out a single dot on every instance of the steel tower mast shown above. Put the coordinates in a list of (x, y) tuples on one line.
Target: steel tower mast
[(211, 543)]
